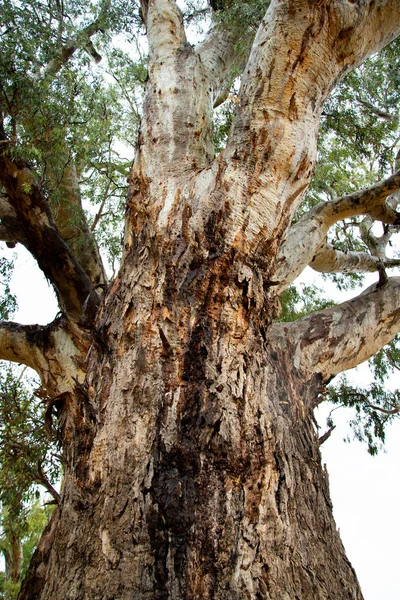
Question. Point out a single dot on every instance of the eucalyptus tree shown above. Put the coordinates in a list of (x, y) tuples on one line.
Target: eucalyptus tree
[(183, 405), (29, 461)]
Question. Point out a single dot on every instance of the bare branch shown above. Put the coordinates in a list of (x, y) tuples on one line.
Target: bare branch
[(80, 40), (330, 260), (42, 480), (144, 7), (165, 28), (308, 235), (43, 240), (326, 435), (17, 344), (217, 53), (71, 222), (340, 338), (377, 111), (385, 411)]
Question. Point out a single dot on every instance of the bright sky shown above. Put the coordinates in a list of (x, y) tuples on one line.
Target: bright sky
[(365, 490)]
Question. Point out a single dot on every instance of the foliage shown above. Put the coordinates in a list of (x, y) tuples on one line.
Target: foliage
[(374, 406), (24, 531), (299, 301), (76, 114), (27, 457), (7, 299), (28, 462), (242, 18), (37, 517)]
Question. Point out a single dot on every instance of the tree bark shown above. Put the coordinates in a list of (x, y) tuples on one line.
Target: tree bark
[(192, 464), (202, 477)]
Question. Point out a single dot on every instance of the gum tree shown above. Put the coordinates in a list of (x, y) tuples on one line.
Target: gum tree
[(183, 406)]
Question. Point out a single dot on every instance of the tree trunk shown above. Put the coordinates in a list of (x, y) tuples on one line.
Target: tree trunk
[(192, 464), (199, 475), (13, 561)]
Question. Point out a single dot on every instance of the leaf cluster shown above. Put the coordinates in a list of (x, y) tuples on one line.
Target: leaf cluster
[(72, 112), (27, 457)]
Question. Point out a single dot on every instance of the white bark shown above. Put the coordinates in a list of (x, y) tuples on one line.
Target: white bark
[(330, 260), (305, 238), (342, 337), (299, 53), (50, 350)]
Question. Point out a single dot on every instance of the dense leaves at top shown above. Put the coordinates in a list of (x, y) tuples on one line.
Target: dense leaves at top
[(59, 108)]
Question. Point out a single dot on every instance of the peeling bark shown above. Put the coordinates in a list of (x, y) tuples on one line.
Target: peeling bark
[(203, 476), (192, 467)]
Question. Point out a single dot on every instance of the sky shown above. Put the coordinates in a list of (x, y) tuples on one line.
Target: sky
[(365, 490)]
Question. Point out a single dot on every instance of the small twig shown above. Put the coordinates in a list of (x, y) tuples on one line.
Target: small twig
[(326, 435)]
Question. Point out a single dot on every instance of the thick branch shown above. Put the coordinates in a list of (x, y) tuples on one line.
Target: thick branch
[(17, 344), (300, 52), (340, 338), (55, 351), (165, 29), (74, 289), (72, 224), (304, 239), (330, 260), (218, 55)]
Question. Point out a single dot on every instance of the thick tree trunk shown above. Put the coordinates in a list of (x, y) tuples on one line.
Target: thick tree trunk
[(198, 475), (192, 465)]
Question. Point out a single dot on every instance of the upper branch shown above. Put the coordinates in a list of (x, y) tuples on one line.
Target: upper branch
[(300, 52), (17, 344), (55, 351), (331, 260), (340, 338), (41, 237), (308, 235), (82, 39), (217, 53), (165, 28)]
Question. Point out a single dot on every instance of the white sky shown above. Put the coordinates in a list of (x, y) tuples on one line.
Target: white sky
[(365, 490)]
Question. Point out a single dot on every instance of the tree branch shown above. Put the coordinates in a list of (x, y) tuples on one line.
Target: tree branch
[(340, 338), (217, 53), (17, 344), (71, 222), (377, 111), (42, 238), (385, 411), (165, 28), (271, 149), (304, 239), (326, 435), (42, 480), (80, 40), (330, 260)]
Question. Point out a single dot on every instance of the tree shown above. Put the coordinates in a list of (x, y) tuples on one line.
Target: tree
[(184, 407), (28, 462), (20, 536)]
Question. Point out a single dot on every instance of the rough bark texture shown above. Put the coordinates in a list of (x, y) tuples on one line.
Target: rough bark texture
[(203, 477), (192, 465)]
